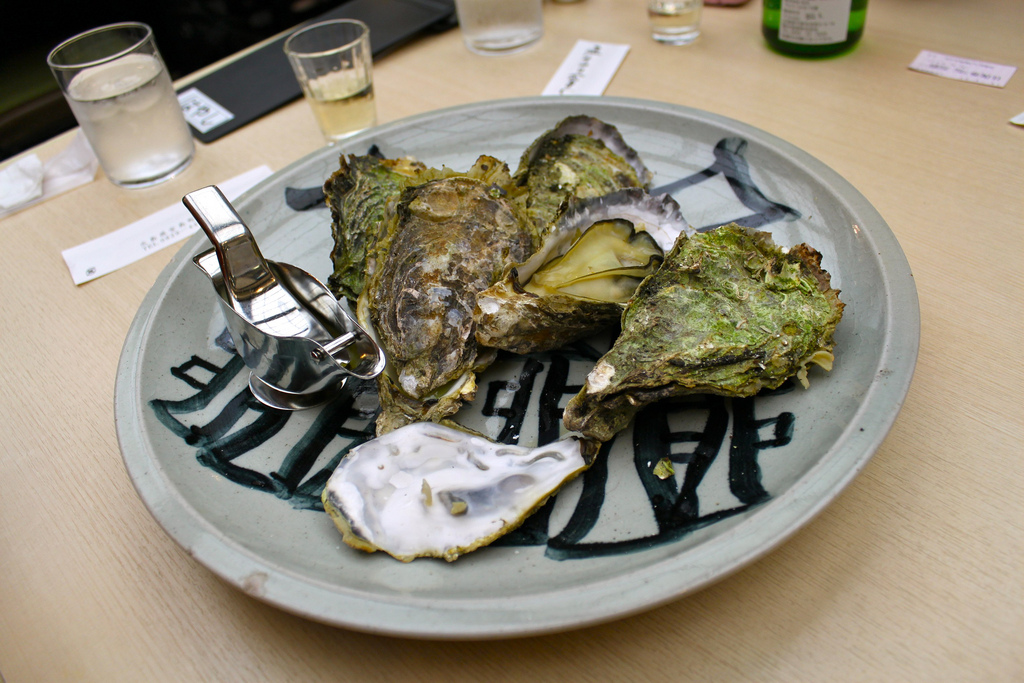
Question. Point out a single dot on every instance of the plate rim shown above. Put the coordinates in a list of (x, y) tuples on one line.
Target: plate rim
[(439, 619)]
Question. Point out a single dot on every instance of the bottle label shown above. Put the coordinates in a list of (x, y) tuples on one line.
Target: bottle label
[(814, 22)]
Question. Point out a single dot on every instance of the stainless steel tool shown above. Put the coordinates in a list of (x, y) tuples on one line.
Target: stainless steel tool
[(299, 342)]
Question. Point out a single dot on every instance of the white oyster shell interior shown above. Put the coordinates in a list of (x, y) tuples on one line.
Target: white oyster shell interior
[(427, 490)]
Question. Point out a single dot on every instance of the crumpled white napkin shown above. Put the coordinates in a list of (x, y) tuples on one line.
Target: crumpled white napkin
[(29, 181)]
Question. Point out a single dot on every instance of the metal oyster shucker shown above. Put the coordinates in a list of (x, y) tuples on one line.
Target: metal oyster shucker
[(296, 338)]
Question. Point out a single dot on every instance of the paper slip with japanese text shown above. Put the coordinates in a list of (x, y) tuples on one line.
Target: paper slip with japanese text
[(963, 69), (588, 69), (167, 226)]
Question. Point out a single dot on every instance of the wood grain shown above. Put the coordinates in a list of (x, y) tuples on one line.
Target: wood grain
[(915, 573)]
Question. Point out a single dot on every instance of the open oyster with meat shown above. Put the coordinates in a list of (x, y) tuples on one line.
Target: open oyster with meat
[(577, 283), (583, 188)]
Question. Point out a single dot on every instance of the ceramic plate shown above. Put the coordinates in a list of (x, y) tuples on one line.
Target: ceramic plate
[(238, 485)]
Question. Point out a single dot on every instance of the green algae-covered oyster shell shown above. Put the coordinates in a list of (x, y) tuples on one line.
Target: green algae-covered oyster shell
[(440, 243), (728, 313), (580, 279), (580, 157), (356, 194)]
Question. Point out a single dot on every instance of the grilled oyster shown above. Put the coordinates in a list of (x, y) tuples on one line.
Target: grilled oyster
[(580, 279), (728, 313), (580, 157), (429, 490), (356, 194), (439, 244)]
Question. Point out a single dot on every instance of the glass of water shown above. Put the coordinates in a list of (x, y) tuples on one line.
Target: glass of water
[(675, 22), (122, 96), (494, 27), (334, 65)]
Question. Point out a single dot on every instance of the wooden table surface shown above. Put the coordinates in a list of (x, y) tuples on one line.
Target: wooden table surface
[(914, 573)]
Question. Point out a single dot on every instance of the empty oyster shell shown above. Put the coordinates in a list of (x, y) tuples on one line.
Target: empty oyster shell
[(728, 313), (578, 282), (439, 244), (580, 157), (429, 490)]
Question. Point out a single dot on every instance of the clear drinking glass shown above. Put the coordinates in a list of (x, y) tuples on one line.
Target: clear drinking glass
[(334, 65), (675, 22), (121, 94), (493, 27)]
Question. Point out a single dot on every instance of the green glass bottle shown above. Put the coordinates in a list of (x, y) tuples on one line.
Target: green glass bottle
[(813, 28)]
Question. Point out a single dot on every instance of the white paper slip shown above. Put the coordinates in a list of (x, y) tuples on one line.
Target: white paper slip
[(117, 249), (202, 111), (962, 69), (1018, 120), (588, 69)]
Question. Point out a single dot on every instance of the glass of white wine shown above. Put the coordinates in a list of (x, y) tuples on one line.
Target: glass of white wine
[(334, 65)]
